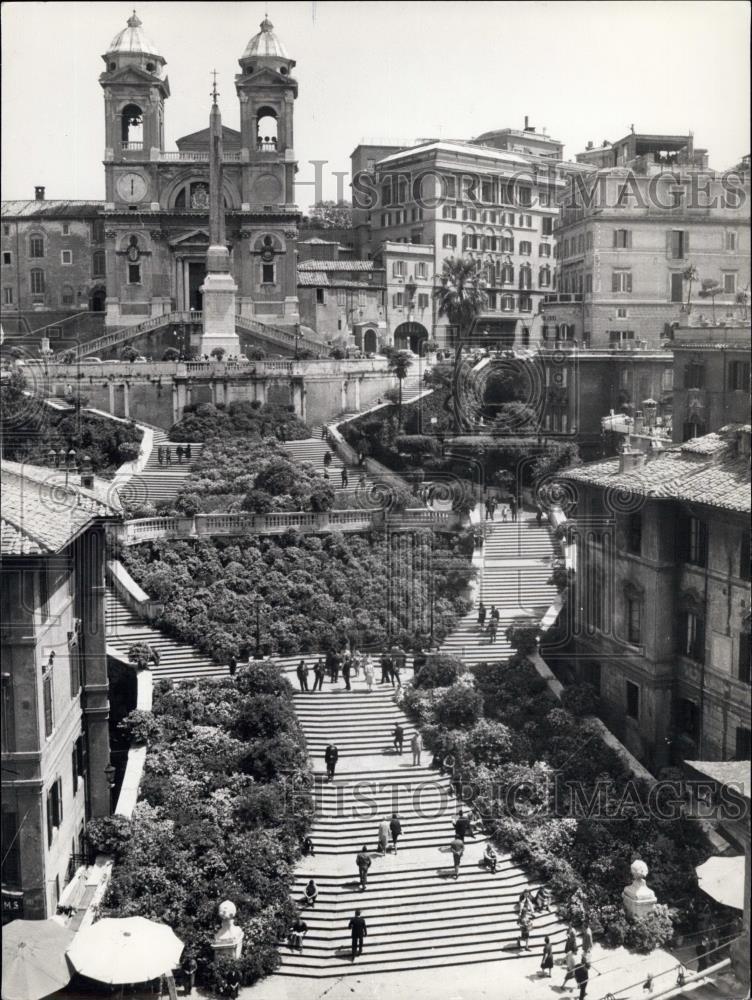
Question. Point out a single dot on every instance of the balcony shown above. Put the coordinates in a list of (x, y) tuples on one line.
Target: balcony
[(196, 156), (132, 147), (561, 298)]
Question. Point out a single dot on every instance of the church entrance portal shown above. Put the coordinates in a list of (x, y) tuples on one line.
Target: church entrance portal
[(196, 275)]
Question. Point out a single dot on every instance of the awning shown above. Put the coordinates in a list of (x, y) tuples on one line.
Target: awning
[(723, 880), (34, 962)]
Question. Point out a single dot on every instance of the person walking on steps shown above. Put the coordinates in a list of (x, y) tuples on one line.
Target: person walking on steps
[(524, 922), (416, 745), (187, 453), (358, 931), (323, 432), (513, 508), (160, 455), (570, 944), (493, 629), (581, 977), (457, 847), (395, 828), (547, 958), (386, 668), (363, 861), (168, 456), (232, 665), (179, 453), (368, 673), (327, 459), (330, 757), (302, 673), (343, 477), (570, 961), (346, 670), (398, 737), (587, 939), (383, 836), (319, 670), (481, 615), (311, 893)]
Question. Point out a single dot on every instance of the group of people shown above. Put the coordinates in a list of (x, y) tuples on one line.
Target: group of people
[(416, 743), (164, 454), (507, 509), (494, 616), (348, 663)]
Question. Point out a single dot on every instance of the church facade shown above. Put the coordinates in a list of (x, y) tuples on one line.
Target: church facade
[(155, 216)]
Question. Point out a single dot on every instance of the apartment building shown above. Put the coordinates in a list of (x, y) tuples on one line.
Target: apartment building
[(408, 270), (55, 707)]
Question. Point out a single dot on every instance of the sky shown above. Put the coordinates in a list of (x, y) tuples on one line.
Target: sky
[(391, 71)]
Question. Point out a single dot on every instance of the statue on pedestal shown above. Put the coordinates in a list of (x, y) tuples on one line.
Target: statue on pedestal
[(228, 941), (638, 898)]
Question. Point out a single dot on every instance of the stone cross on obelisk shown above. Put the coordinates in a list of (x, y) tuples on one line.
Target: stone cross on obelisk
[(219, 286)]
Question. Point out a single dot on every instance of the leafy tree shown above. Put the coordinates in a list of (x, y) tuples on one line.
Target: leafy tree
[(399, 365), (171, 354), (129, 353), (709, 288), (330, 215), (218, 353)]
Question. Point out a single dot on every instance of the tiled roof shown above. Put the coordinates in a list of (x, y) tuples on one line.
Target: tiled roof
[(707, 471), (41, 515), (64, 209), (725, 772), (335, 265), (312, 279), (316, 279)]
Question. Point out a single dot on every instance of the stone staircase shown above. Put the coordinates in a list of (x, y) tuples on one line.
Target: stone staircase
[(157, 483), (418, 916), (517, 566), (313, 449), (178, 661)]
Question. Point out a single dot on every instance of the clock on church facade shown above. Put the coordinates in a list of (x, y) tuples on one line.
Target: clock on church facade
[(156, 211)]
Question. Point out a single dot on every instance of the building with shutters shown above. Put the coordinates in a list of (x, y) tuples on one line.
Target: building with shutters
[(648, 217), (659, 617), (55, 703)]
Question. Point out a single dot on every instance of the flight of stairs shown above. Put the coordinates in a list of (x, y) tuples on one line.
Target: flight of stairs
[(313, 449), (157, 483), (178, 661), (517, 566), (418, 916)]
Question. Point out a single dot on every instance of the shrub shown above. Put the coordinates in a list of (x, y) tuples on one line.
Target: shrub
[(640, 934), (128, 353), (109, 835), (171, 354), (522, 635), (141, 655), (140, 727), (581, 699), (439, 670), (459, 705)]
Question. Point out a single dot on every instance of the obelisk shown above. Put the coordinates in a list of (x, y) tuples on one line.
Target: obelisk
[(219, 286)]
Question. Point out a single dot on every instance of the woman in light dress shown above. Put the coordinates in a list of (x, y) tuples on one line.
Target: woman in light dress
[(368, 672)]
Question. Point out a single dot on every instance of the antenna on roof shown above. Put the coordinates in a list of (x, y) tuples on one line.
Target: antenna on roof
[(214, 93)]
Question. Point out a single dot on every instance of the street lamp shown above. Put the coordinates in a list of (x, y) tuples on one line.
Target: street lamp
[(258, 602)]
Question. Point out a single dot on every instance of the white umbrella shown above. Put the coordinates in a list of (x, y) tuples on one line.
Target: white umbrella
[(125, 950), (723, 880)]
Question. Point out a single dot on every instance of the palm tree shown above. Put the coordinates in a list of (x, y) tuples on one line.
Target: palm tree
[(690, 275), (399, 362), (460, 297), (742, 300)]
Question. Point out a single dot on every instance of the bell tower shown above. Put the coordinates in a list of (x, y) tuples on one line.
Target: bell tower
[(267, 93)]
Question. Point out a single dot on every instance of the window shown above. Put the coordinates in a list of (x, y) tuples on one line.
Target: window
[(544, 249), (622, 239), (449, 212), (449, 241), (634, 533), (692, 429), (547, 225), (98, 264), (677, 287), (507, 244), (633, 700), (525, 276), (695, 549), (525, 196), (678, 244), (267, 274), (37, 281), (526, 248), (341, 297), (622, 312), (634, 620), (620, 337), (397, 300), (398, 268), (11, 849), (507, 274), (526, 303), (743, 671), (66, 256), (66, 229), (731, 242), (739, 372), (621, 281), (421, 270), (134, 274), (491, 301), (694, 375), (7, 296), (67, 295), (688, 718), (7, 258), (507, 303), (49, 712), (544, 276), (320, 300), (97, 231), (729, 282), (36, 246), (743, 743), (588, 283), (423, 301), (692, 636), (54, 809)]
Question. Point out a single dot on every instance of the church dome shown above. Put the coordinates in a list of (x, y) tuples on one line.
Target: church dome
[(265, 43), (132, 41)]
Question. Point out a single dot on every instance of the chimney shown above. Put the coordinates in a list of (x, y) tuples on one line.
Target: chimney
[(39, 192), (87, 473), (590, 144), (631, 460), (526, 121)]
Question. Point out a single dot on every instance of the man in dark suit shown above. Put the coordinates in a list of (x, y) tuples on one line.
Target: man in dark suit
[(358, 930), (330, 756)]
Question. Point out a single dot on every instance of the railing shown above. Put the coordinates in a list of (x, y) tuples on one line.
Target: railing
[(196, 156), (278, 333), (131, 147), (203, 525), (123, 334), (267, 147)]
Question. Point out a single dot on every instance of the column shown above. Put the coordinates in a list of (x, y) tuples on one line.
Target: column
[(186, 286), (343, 396), (111, 393), (357, 392), (126, 400)]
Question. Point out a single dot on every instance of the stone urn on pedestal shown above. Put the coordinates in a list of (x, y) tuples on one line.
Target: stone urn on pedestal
[(638, 898), (228, 941)]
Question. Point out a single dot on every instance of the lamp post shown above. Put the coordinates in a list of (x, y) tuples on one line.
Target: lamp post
[(109, 773), (258, 602)]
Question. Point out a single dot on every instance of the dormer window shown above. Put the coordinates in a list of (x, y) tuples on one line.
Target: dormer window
[(150, 67), (283, 70), (113, 67)]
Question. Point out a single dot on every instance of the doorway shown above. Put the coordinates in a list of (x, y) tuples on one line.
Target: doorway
[(196, 275)]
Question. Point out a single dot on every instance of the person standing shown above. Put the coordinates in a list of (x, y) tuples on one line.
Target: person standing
[(179, 453), (386, 668), (324, 432), (582, 976), (481, 615), (302, 673), (358, 931), (368, 673), (363, 861), (327, 459), (416, 745), (570, 944), (232, 665), (160, 455), (513, 508), (343, 477), (318, 675), (395, 828), (524, 921), (397, 663), (298, 931), (168, 456), (189, 967), (587, 939), (346, 668), (570, 959), (330, 756), (383, 836), (311, 893), (308, 849), (187, 453), (547, 958), (493, 628), (457, 848), (398, 737)]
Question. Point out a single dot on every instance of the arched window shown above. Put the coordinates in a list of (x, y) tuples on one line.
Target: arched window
[(132, 128), (67, 295), (266, 130), (36, 245), (194, 195)]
